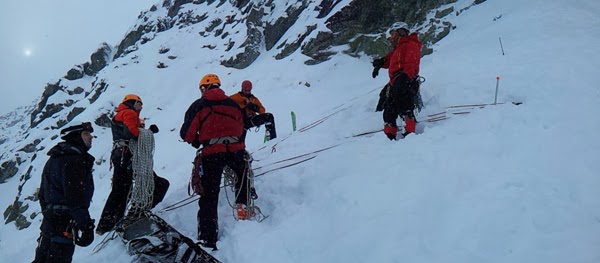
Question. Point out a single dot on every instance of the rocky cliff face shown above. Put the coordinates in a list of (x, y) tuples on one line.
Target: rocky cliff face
[(244, 30)]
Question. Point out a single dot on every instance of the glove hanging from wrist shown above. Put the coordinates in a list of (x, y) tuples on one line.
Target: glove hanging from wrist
[(153, 128), (375, 72), (378, 63), (84, 235)]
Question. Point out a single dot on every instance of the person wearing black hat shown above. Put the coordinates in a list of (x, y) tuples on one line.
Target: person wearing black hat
[(65, 194), (253, 110)]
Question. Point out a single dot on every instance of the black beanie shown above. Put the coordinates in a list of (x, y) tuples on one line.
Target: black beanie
[(72, 134)]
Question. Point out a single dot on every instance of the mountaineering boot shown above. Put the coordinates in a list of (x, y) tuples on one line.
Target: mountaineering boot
[(390, 130), (103, 229), (243, 213), (208, 244), (270, 127), (100, 232), (411, 126)]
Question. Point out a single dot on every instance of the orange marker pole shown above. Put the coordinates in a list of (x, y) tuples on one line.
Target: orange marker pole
[(497, 83)]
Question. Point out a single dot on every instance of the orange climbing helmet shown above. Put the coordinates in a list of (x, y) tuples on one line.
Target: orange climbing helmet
[(209, 80), (132, 97)]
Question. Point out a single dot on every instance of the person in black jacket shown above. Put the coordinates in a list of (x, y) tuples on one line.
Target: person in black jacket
[(65, 194)]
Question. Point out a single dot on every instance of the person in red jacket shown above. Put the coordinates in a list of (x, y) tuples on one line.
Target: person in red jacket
[(215, 122), (403, 69), (125, 127), (254, 112)]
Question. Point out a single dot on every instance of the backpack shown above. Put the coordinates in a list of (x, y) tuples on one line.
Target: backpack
[(152, 239)]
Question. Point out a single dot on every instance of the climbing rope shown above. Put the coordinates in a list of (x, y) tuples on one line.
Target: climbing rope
[(252, 210), (142, 163)]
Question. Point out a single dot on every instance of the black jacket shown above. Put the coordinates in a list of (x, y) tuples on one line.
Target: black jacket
[(67, 181)]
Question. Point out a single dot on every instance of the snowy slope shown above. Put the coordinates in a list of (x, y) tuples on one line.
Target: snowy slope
[(504, 183)]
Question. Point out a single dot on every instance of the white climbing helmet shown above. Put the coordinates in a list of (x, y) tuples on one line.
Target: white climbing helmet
[(395, 26)]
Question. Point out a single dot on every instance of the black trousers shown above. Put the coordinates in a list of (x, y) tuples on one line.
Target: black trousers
[(212, 165), (53, 246), (400, 99), (258, 120), (122, 179)]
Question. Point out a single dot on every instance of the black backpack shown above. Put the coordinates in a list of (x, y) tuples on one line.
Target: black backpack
[(152, 239)]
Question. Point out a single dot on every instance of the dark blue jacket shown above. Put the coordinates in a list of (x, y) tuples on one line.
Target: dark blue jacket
[(67, 181)]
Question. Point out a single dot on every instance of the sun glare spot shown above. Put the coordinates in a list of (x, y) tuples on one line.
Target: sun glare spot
[(27, 52)]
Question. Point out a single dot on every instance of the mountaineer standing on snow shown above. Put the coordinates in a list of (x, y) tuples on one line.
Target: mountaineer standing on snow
[(403, 69), (253, 110), (126, 127), (215, 122), (65, 194)]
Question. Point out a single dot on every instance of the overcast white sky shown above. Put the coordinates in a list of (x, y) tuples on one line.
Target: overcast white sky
[(41, 40)]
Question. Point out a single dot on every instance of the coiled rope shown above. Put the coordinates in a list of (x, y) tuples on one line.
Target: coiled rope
[(142, 191)]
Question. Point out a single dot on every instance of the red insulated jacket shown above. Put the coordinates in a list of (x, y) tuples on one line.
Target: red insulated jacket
[(406, 56), (130, 118), (213, 116)]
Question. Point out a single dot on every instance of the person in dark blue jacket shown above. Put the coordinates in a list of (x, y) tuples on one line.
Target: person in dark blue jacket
[(65, 194)]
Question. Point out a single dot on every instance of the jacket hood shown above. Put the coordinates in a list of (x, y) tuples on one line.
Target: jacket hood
[(214, 94), (412, 37), (123, 107)]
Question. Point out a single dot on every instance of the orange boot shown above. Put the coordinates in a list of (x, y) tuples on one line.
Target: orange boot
[(243, 213)]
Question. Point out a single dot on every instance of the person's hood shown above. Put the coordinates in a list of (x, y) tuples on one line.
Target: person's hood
[(414, 37), (124, 106), (214, 94)]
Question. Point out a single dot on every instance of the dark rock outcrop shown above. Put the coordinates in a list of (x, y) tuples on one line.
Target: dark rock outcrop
[(99, 59), (251, 50), (8, 169), (75, 73), (49, 90)]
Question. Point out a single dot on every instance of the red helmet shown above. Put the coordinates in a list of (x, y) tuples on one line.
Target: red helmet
[(246, 86)]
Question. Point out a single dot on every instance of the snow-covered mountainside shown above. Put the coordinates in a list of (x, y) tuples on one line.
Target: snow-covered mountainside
[(187, 37), (502, 183)]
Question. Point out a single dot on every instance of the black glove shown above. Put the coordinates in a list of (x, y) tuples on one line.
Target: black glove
[(253, 107), (154, 128), (378, 63), (375, 72), (195, 144), (84, 235)]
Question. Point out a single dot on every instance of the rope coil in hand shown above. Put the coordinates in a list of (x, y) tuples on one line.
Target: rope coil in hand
[(142, 191)]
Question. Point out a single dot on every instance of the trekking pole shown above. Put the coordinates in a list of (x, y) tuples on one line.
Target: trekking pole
[(497, 83), (501, 47)]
